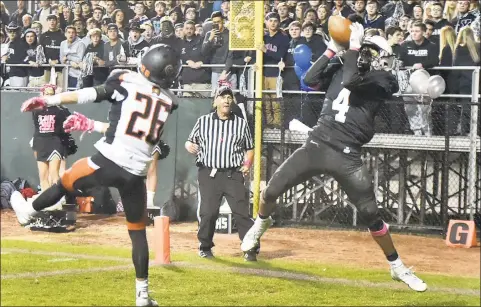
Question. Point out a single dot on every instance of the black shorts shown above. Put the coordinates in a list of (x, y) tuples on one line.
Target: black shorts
[(97, 171), (48, 148), (316, 158)]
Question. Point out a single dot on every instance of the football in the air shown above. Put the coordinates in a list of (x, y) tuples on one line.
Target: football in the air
[(339, 29)]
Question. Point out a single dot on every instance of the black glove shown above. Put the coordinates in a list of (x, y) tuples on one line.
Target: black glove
[(164, 150)]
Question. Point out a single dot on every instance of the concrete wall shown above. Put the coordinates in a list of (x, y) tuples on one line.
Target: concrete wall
[(17, 129)]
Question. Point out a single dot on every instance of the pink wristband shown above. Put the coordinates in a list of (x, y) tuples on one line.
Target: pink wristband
[(329, 53), (248, 163)]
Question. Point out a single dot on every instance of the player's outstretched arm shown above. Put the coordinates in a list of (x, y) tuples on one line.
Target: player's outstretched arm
[(80, 122), (316, 73), (85, 95)]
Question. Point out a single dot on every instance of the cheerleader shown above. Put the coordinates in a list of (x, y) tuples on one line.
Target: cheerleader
[(50, 143)]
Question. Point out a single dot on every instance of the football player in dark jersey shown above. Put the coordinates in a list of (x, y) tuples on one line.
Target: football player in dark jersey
[(357, 91)]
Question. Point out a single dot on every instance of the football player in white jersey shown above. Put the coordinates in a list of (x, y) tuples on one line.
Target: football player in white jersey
[(140, 105)]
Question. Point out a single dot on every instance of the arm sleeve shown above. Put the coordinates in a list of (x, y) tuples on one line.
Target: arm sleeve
[(315, 73), (350, 66), (194, 134), (112, 90)]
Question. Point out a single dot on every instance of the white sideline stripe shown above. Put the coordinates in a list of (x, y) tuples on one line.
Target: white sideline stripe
[(214, 267), (61, 259), (66, 255)]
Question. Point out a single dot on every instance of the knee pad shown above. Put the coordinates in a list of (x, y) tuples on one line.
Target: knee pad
[(378, 228), (368, 212), (270, 193)]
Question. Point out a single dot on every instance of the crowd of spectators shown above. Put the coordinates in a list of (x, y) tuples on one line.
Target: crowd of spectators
[(94, 36)]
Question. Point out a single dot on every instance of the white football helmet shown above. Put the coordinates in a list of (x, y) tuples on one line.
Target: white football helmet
[(375, 54)]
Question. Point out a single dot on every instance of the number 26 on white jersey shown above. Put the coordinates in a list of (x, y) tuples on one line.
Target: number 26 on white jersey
[(341, 104)]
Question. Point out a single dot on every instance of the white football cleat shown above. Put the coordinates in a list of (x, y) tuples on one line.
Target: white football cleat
[(143, 299), (253, 235), (23, 209), (406, 275)]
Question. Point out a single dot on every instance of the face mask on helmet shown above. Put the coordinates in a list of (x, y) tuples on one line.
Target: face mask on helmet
[(372, 57)]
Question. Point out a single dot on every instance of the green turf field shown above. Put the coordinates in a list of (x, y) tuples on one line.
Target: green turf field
[(49, 274)]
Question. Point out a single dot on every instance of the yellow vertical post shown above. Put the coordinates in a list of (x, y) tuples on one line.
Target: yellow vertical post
[(259, 35)]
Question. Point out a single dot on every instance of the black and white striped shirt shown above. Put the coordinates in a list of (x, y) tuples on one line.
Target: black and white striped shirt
[(222, 143)]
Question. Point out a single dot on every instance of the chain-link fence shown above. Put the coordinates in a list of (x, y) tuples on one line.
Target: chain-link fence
[(419, 159)]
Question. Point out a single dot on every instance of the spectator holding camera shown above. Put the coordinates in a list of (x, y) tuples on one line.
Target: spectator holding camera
[(194, 77), (216, 45)]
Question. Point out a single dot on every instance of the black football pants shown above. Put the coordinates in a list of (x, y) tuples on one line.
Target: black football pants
[(315, 158)]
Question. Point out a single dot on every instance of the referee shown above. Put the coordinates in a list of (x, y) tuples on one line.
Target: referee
[(223, 145)]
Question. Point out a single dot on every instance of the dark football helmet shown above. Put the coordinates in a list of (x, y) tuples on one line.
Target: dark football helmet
[(161, 65), (375, 54)]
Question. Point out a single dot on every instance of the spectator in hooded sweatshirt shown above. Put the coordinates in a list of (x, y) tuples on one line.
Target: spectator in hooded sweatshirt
[(275, 47), (439, 21), (96, 46), (419, 53), (71, 53), (134, 45)]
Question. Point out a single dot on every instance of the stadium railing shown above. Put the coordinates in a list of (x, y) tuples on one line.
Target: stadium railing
[(470, 144)]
